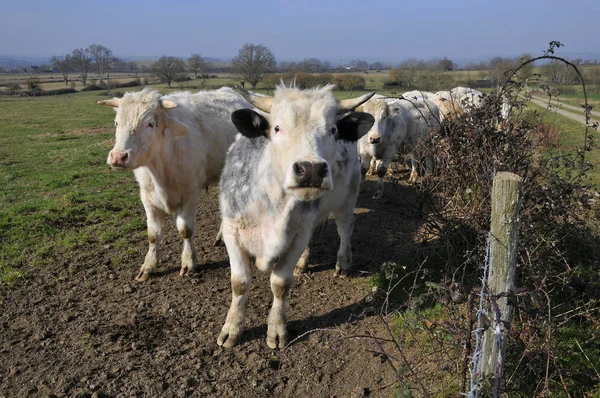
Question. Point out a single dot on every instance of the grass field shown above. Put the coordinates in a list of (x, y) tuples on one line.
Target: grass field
[(56, 184), (53, 173)]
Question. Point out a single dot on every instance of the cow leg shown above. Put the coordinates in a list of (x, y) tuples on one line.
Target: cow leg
[(344, 220), (219, 238), (281, 280), (372, 167), (155, 221), (414, 174), (301, 265), (186, 222), (382, 167), (365, 164), (241, 276)]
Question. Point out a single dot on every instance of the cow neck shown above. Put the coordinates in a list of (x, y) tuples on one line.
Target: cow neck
[(164, 164)]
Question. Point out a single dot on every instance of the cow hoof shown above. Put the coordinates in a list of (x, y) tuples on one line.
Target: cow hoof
[(342, 273), (143, 276), (228, 337), (277, 334), (300, 271), (187, 270)]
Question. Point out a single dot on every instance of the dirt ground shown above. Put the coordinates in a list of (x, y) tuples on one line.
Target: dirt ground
[(65, 334)]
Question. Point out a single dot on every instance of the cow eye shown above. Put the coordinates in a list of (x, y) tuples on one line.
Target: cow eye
[(277, 129), (151, 125), (116, 123), (333, 130)]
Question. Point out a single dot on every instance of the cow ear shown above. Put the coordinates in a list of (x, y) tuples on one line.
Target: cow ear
[(250, 123), (177, 128), (394, 108), (354, 126)]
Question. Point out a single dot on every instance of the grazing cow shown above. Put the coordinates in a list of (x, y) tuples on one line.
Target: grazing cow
[(295, 162), (448, 105), (417, 95), (467, 97), (176, 146), (399, 126)]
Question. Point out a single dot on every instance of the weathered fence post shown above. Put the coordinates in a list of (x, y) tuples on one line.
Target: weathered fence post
[(506, 204)]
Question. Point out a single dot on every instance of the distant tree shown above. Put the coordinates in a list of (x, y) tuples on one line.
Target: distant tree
[(82, 59), (133, 67), (560, 74), (285, 66), (33, 84), (445, 65), (101, 57), (110, 62), (377, 65), (64, 63), (527, 70), (13, 88), (168, 68), (359, 64), (253, 62), (196, 64), (326, 66)]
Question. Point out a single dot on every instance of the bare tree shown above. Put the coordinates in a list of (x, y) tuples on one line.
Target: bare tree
[(377, 65), (196, 64), (110, 62), (253, 62), (168, 68), (82, 59), (100, 55), (64, 63)]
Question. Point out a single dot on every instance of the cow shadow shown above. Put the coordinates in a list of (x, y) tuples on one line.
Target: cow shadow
[(384, 230), (297, 328)]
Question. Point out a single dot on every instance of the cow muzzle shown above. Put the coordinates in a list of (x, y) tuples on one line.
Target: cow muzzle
[(118, 159), (375, 139), (310, 175)]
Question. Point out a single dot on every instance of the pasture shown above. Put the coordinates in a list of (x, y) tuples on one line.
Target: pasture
[(73, 321)]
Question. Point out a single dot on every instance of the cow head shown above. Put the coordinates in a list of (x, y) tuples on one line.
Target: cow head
[(303, 127), (142, 119), (382, 114)]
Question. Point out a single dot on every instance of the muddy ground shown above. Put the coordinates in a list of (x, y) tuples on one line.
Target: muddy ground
[(76, 334)]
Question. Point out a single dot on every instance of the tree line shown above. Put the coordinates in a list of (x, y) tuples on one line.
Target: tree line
[(254, 62)]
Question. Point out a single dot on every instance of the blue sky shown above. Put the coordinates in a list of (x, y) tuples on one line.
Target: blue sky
[(295, 29)]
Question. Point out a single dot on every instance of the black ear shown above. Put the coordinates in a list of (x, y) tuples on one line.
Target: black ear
[(250, 123), (354, 126)]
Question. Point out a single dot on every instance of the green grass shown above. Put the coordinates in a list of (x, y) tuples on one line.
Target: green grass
[(58, 193), (572, 138)]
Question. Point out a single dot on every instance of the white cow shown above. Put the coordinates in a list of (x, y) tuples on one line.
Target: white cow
[(467, 97), (295, 162), (400, 125), (175, 145), (418, 95), (448, 104)]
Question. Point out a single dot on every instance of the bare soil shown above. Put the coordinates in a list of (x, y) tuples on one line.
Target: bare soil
[(102, 334)]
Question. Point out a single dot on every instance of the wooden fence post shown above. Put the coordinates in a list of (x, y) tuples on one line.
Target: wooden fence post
[(506, 205)]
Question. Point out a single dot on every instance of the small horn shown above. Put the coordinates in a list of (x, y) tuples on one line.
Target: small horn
[(263, 103), (166, 104), (349, 104), (111, 102)]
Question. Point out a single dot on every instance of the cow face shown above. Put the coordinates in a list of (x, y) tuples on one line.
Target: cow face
[(141, 121), (304, 131), (382, 115)]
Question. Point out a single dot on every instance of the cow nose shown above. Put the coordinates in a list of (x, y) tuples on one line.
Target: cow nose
[(375, 140), (310, 174), (118, 158)]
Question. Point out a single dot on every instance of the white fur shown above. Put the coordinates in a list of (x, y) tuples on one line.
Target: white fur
[(174, 160)]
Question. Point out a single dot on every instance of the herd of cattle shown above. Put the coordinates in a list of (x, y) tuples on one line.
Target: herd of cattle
[(295, 162)]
